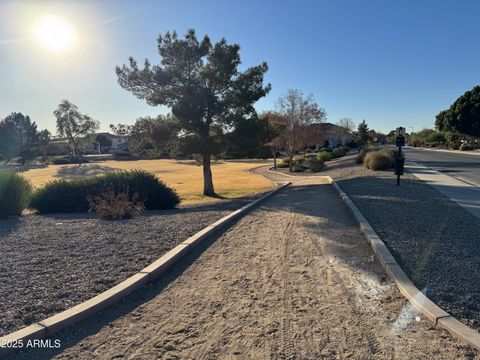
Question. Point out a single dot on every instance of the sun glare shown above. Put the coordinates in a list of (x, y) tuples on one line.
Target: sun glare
[(54, 34)]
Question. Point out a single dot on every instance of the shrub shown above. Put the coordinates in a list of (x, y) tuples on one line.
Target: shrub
[(65, 160), (360, 157), (336, 153), (326, 149), (297, 167), (15, 192), (344, 149), (285, 163), (465, 147), (72, 195), (381, 159), (324, 156), (112, 206), (314, 164)]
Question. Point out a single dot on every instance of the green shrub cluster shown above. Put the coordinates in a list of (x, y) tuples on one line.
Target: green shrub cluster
[(324, 155), (66, 160), (73, 195), (15, 192), (300, 164), (284, 163), (314, 164), (337, 153)]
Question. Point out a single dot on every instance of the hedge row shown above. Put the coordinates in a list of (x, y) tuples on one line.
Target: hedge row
[(73, 195)]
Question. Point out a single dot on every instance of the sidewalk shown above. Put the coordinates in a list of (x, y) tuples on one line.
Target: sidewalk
[(293, 279)]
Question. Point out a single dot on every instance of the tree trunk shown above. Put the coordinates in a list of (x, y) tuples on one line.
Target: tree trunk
[(290, 163), (208, 189)]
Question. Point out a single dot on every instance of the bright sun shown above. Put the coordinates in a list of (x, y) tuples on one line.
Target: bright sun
[(54, 34)]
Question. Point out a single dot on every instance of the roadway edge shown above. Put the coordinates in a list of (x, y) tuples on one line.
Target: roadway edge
[(418, 300), (66, 318)]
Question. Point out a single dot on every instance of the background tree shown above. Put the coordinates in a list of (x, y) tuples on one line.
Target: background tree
[(250, 137), (203, 87), (463, 115), (121, 129), (43, 141), (71, 124), (103, 141), (9, 145), (276, 133), (18, 136), (362, 132), (347, 124), (298, 113)]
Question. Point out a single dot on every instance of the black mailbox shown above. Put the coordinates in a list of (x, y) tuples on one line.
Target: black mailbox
[(399, 165), (400, 141)]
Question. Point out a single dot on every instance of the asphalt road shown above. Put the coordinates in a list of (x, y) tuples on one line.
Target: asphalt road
[(464, 167)]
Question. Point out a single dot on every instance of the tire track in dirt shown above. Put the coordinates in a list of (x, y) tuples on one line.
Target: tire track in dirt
[(288, 342), (287, 281)]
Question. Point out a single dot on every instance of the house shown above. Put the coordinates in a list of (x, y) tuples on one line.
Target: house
[(116, 143), (328, 135)]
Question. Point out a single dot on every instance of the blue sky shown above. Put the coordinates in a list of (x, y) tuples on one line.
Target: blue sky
[(391, 63)]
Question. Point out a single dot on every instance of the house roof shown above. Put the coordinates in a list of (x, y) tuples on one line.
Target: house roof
[(111, 136)]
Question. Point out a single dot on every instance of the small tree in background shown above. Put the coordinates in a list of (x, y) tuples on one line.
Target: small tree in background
[(43, 140), (71, 124), (103, 141), (18, 136), (298, 113), (202, 85), (347, 124), (362, 132)]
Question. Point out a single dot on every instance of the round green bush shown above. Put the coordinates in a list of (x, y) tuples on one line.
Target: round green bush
[(336, 153), (324, 156), (15, 192), (283, 163), (314, 164), (297, 167), (72, 195)]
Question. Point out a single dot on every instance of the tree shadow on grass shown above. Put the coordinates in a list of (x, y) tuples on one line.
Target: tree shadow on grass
[(88, 170)]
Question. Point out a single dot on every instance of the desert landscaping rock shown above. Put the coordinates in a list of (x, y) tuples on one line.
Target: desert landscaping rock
[(51, 263), (433, 239), (292, 279)]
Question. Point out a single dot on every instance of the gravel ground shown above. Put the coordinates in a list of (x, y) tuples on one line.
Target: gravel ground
[(304, 286), (50, 263), (433, 238)]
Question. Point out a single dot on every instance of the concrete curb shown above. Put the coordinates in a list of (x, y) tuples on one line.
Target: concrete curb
[(418, 300), (64, 319)]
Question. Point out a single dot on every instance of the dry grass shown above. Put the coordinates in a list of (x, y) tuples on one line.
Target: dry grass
[(231, 179)]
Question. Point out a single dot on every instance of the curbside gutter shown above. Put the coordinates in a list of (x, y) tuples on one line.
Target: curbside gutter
[(64, 319), (418, 300)]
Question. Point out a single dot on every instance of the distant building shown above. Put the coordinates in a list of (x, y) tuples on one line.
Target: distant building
[(329, 135), (119, 143)]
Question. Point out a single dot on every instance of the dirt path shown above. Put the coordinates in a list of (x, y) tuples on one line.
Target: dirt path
[(294, 279)]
